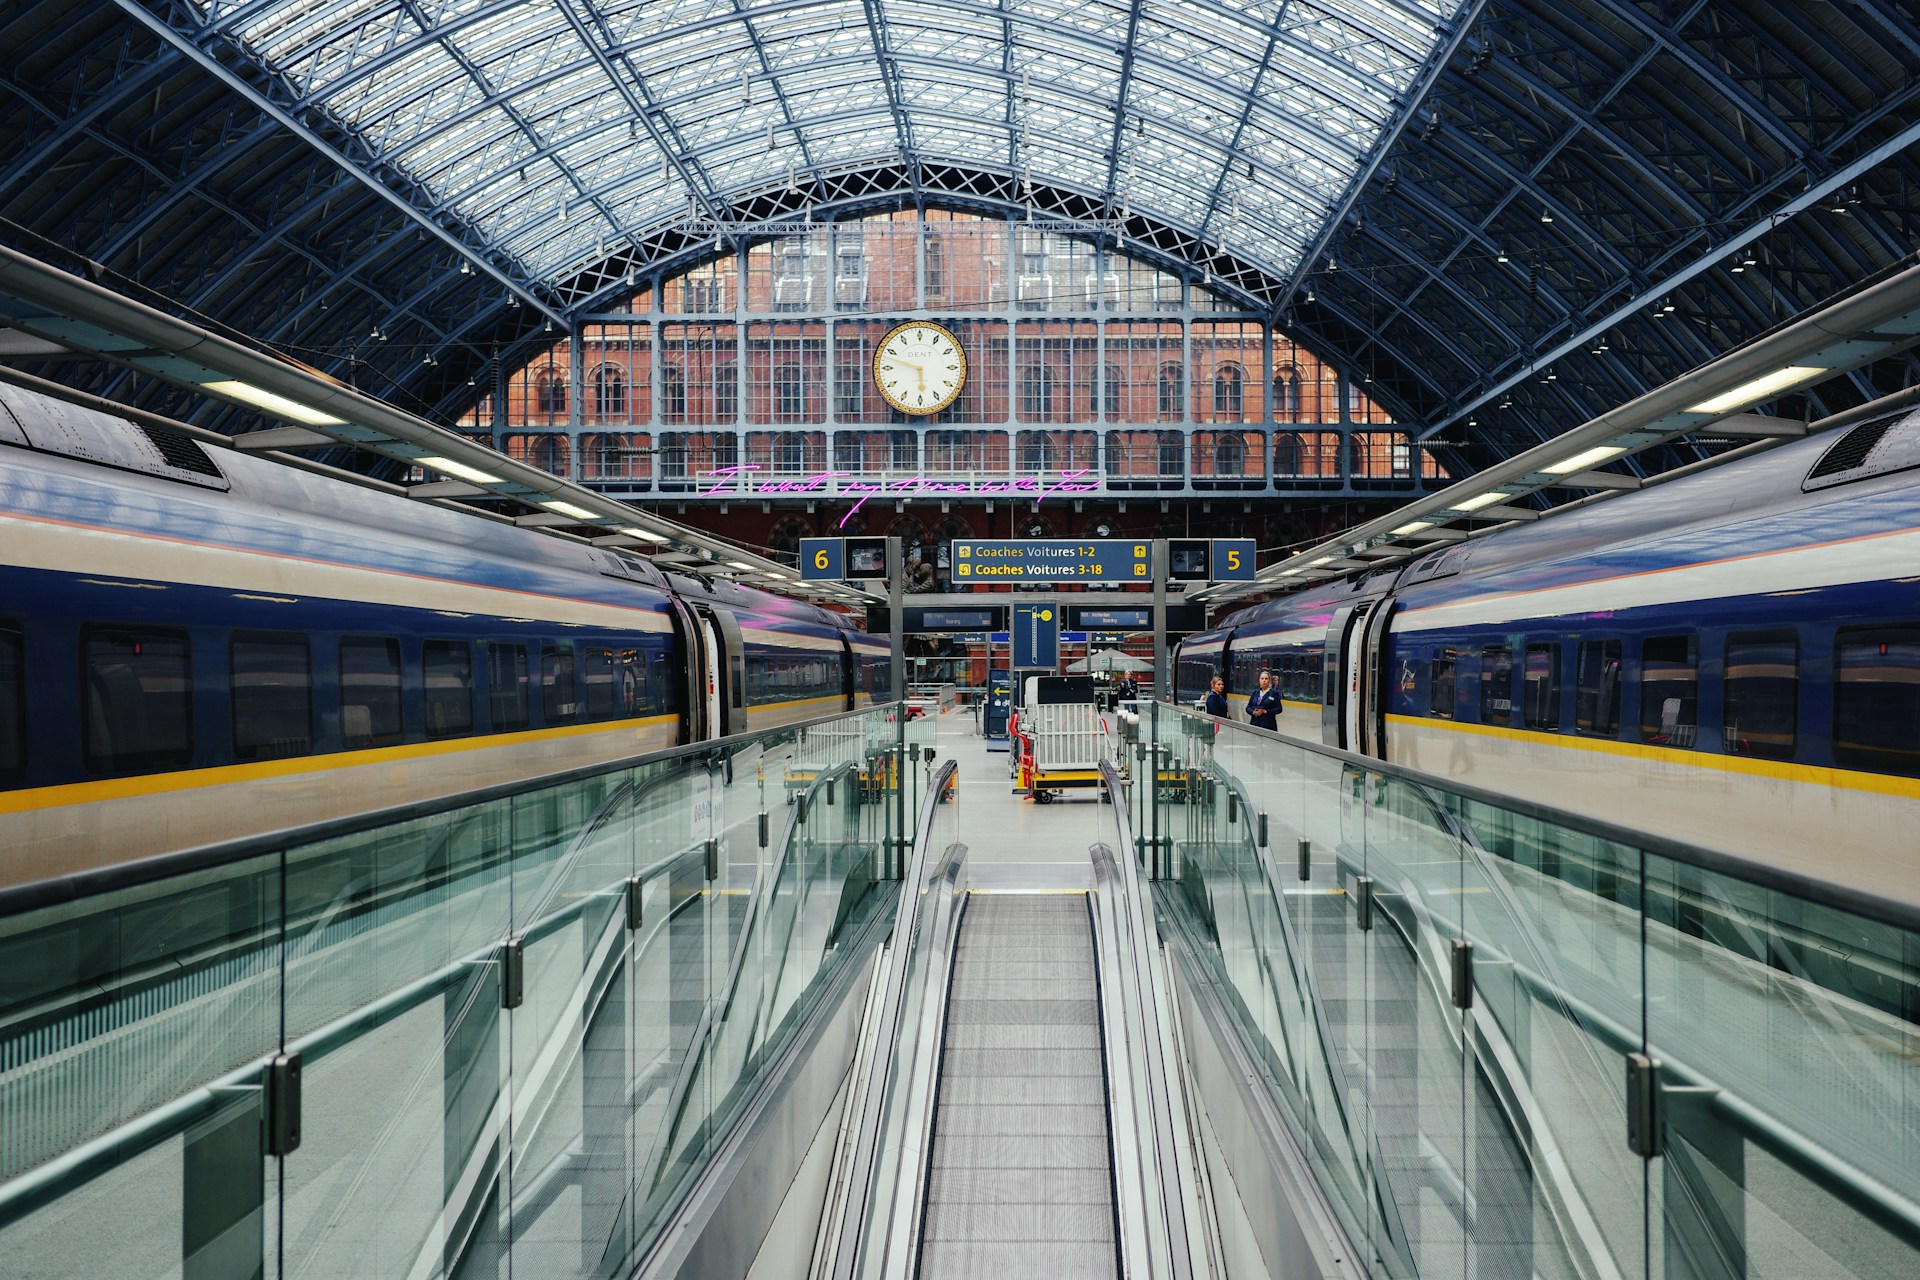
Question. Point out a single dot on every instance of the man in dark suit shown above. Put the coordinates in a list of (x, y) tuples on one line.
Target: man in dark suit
[(1263, 707), (1217, 698)]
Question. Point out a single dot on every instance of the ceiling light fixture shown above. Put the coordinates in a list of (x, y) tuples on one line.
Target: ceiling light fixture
[(459, 470), (279, 406), (1581, 461), (1484, 500), (1759, 389), (569, 509), (645, 535), (1415, 527)]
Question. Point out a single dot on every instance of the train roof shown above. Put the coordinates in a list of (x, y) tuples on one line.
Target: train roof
[(1836, 485), (1811, 491), (78, 464)]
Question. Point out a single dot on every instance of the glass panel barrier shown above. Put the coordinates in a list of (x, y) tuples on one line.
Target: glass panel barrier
[(515, 1022), (1445, 990)]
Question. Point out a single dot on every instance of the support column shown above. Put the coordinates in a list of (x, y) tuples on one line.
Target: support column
[(1162, 683)]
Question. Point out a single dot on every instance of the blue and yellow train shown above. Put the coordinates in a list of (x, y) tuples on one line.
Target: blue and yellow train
[(1731, 658), (196, 644)]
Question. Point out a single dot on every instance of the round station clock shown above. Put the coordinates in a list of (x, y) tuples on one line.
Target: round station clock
[(919, 367)]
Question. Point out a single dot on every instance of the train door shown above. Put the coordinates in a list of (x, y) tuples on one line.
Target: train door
[(1372, 710), (849, 671), (697, 717), (726, 662), (1342, 702)]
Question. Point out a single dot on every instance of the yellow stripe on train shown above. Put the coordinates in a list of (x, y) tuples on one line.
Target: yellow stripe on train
[(183, 780), (1819, 775)]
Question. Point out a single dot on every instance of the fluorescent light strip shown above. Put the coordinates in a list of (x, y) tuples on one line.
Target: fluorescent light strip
[(1581, 461), (568, 509), (645, 535), (279, 406), (459, 470), (1414, 527), (742, 564), (1484, 500), (1759, 389)]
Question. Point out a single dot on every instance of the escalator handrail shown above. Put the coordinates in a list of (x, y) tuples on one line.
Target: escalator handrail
[(928, 891)]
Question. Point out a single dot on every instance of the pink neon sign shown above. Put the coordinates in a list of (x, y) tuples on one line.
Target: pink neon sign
[(736, 482)]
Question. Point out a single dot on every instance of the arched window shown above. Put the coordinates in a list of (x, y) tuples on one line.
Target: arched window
[(609, 394), (550, 394), (1286, 454), (1173, 451), (1286, 395), (1227, 395), (1113, 393), (547, 451), (673, 394), (789, 393), (1229, 456), (1037, 451), (1036, 392), (790, 452), (1173, 391)]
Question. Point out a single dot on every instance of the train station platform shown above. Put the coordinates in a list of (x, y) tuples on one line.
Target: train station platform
[(837, 1001)]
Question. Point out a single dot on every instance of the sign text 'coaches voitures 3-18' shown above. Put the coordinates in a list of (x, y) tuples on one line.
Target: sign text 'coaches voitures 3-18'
[(1053, 560)]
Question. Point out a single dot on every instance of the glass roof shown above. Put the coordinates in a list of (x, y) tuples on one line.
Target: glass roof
[(564, 129)]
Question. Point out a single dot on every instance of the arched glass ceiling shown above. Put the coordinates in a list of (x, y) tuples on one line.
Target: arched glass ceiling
[(560, 131)]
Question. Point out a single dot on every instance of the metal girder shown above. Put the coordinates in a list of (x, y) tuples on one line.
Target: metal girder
[(1714, 256), (525, 125), (238, 85), (1425, 324), (73, 126), (647, 112), (1246, 114), (890, 78), (1436, 65), (1120, 104)]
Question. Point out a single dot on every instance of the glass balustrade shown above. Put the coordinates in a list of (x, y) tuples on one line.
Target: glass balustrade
[(1445, 990), (494, 1033)]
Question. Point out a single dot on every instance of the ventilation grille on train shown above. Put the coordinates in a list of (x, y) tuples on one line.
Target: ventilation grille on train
[(74, 431), (1873, 448), (180, 450)]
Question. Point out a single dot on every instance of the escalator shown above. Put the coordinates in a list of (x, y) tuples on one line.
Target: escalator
[(1020, 1180)]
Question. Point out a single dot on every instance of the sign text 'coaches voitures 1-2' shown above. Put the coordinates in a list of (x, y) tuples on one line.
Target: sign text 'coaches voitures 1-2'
[(1053, 560)]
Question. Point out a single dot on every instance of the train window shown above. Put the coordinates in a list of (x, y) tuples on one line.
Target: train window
[(1669, 691), (556, 684), (1440, 683), (446, 671), (13, 704), (369, 692), (507, 696), (1596, 690), (596, 672), (633, 683), (272, 695), (1876, 699), (1496, 684), (1762, 695), (139, 701), (1540, 687)]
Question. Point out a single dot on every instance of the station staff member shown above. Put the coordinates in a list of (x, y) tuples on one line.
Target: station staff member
[(1264, 706), (1217, 699)]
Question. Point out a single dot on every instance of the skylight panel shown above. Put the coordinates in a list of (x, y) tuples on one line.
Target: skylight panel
[(1304, 118)]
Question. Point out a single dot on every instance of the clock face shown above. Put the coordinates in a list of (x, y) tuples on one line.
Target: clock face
[(919, 367)]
